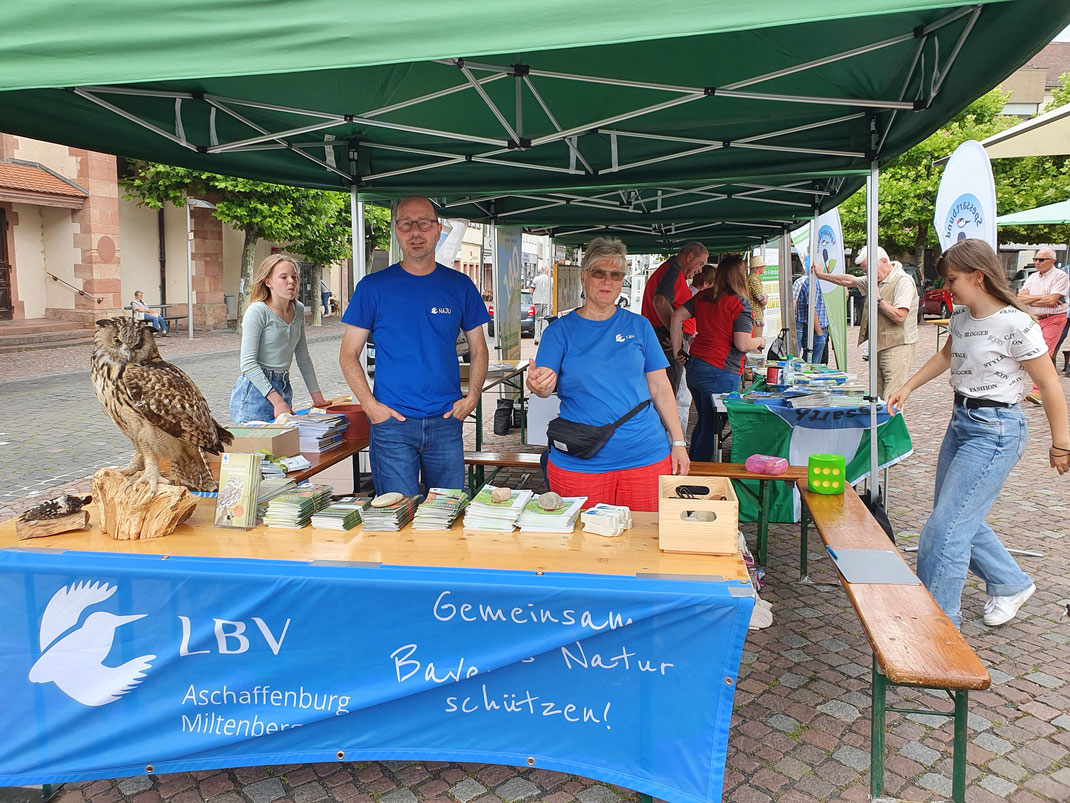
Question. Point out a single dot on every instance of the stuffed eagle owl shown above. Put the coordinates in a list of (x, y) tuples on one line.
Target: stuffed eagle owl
[(156, 405)]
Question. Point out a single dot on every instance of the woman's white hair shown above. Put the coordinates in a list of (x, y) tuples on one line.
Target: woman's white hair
[(601, 249)]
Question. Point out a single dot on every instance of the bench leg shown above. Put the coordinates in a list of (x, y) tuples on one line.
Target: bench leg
[(876, 734), (804, 521), (764, 500), (958, 770)]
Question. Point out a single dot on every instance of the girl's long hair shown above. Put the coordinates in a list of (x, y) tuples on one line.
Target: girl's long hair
[(260, 291), (730, 277), (970, 255)]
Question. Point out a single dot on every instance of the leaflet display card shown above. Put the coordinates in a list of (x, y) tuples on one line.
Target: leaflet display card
[(879, 566)]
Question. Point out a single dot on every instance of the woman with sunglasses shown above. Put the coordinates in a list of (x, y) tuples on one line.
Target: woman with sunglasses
[(725, 325), (604, 362), (993, 344)]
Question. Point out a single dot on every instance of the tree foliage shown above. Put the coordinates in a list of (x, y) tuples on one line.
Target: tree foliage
[(908, 186)]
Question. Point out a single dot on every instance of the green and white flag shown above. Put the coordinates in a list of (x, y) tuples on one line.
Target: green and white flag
[(797, 433)]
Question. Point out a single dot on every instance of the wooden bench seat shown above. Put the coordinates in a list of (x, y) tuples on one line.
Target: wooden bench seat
[(478, 462), (914, 643)]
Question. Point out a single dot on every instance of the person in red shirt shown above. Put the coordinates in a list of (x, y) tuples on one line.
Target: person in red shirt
[(667, 289), (724, 319)]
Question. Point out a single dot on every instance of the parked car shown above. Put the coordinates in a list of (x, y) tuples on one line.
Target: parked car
[(937, 299), (625, 299), (527, 314)]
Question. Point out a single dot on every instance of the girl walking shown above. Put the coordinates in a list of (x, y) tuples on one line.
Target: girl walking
[(993, 344)]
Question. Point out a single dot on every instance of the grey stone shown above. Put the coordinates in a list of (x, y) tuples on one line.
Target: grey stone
[(998, 677), (398, 796), (748, 657), (857, 699), (852, 757), (916, 751), (309, 793), (1062, 721), (265, 791), (936, 783), (138, 783), (1044, 679), (993, 743), (794, 640), (797, 656), (840, 710), (516, 789), (782, 722), (927, 719), (791, 680), (468, 789), (976, 722), (394, 766), (834, 645), (997, 786), (596, 793)]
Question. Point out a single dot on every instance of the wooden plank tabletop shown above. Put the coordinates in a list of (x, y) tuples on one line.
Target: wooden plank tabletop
[(915, 643), (738, 471), (634, 552), (319, 460)]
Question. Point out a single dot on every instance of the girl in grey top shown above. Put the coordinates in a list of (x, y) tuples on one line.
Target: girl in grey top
[(273, 333)]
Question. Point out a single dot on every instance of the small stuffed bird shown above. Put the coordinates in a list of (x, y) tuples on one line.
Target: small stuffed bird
[(62, 505)]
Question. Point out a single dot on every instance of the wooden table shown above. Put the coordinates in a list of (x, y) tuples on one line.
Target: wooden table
[(941, 325), (511, 379), (634, 553), (323, 460)]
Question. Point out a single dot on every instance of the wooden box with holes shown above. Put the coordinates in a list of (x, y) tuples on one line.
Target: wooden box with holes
[(698, 514)]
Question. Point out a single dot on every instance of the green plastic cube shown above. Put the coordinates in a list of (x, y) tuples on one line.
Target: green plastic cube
[(826, 473)]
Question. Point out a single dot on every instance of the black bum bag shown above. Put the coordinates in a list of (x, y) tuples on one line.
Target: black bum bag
[(585, 440)]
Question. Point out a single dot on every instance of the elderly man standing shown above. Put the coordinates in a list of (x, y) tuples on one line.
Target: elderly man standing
[(897, 318), (414, 311), (666, 289), (542, 298), (1045, 295)]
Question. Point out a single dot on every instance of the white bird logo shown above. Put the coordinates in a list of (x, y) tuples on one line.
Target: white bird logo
[(75, 662)]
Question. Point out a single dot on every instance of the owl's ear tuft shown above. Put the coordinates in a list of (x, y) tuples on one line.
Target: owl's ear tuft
[(104, 322)]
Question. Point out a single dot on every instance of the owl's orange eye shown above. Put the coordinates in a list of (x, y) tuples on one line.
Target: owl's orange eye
[(117, 341)]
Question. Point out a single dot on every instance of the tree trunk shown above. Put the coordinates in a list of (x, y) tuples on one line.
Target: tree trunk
[(919, 249), (317, 295), (245, 282)]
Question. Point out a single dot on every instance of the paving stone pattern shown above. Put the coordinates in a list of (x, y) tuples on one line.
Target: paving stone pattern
[(800, 729)]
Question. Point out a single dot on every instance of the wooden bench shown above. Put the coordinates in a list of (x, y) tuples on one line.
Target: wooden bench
[(761, 500), (477, 463), (914, 643), (171, 320)]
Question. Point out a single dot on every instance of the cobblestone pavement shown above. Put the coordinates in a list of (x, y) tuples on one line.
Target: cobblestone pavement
[(800, 731)]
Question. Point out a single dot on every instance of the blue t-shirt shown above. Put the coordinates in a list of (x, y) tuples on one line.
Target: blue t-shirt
[(601, 374), (414, 321)]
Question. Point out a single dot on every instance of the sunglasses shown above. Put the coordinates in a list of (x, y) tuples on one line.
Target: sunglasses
[(599, 273), (1043, 259), (423, 224)]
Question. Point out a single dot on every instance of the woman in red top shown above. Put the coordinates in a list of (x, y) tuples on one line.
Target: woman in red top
[(724, 322)]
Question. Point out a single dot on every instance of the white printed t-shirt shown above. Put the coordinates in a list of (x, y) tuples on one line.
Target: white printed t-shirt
[(987, 353)]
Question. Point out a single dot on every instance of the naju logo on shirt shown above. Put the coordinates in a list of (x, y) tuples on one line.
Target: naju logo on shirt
[(441, 311), (965, 219), (623, 338), (73, 657)]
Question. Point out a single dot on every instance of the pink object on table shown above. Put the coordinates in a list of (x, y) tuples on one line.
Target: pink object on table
[(766, 464)]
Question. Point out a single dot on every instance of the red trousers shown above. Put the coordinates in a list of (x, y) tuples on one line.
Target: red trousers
[(1051, 328), (635, 487)]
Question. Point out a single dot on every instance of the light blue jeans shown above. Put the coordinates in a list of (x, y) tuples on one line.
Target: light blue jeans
[(703, 380), (404, 452), (979, 450), (819, 344), (249, 404)]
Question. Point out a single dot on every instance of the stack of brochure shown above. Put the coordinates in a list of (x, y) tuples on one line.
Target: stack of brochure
[(392, 517), (320, 431), (563, 520), (282, 466), (440, 509), (345, 514), (270, 487), (485, 513), (608, 520), (294, 510)]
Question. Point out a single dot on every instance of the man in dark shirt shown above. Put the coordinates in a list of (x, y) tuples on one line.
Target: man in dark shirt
[(666, 289)]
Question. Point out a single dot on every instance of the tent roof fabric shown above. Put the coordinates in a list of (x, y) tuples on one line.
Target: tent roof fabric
[(1052, 214), (504, 109), (1046, 134)]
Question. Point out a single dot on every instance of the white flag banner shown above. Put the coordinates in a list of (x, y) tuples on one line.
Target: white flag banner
[(829, 245), (449, 241), (966, 202)]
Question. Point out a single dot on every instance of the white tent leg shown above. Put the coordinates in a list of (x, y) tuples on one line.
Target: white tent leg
[(359, 269), (189, 271), (871, 287), (787, 308), (812, 296)]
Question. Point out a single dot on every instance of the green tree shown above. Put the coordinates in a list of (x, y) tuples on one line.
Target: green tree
[(1061, 95), (259, 210)]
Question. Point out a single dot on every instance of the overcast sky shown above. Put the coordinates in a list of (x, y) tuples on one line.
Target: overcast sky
[(1064, 36)]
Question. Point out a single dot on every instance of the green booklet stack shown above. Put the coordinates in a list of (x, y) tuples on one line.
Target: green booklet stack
[(392, 517), (294, 510), (344, 514), (440, 509)]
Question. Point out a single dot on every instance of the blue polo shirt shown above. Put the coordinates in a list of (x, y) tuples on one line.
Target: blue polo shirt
[(601, 374), (414, 321)]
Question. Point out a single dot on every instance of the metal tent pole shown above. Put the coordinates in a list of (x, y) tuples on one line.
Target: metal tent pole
[(812, 297), (189, 270), (359, 269), (871, 292), (787, 306)]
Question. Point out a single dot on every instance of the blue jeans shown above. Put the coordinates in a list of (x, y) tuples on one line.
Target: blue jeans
[(157, 321), (704, 379), (249, 404), (979, 450), (404, 452), (819, 344), (326, 297)]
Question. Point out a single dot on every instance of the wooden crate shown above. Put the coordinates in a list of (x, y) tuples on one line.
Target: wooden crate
[(677, 534)]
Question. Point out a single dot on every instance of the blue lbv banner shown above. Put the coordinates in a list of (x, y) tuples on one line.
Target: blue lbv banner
[(117, 665)]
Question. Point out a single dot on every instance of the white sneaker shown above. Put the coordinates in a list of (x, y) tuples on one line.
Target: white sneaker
[(1000, 610)]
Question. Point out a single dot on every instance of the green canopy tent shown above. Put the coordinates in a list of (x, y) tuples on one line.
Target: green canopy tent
[(1051, 214)]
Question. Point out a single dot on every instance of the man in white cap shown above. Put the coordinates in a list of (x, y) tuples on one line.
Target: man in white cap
[(897, 318)]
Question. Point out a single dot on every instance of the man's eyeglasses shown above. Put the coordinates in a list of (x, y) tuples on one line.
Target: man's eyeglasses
[(1043, 259), (423, 224), (615, 275)]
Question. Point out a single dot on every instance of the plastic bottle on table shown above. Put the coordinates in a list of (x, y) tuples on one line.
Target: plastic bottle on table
[(788, 377)]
